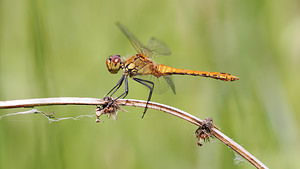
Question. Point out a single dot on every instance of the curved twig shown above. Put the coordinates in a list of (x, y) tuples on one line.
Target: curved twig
[(136, 103)]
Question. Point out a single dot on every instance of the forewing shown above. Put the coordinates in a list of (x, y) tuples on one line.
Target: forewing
[(138, 46)]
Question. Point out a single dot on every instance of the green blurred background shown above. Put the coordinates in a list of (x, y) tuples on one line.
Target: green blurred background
[(55, 48)]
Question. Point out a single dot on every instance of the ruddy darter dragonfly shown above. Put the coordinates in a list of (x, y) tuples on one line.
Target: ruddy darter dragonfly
[(140, 65)]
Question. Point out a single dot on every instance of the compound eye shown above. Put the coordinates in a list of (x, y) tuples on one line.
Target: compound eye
[(116, 59), (113, 63)]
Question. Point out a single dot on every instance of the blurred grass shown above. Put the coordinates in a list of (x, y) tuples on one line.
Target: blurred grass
[(58, 48)]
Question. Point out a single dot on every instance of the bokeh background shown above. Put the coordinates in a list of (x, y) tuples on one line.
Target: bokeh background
[(55, 48)]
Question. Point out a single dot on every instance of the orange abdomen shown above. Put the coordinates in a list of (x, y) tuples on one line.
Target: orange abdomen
[(167, 70)]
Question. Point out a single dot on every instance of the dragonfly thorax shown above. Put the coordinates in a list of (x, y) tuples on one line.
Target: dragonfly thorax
[(114, 63)]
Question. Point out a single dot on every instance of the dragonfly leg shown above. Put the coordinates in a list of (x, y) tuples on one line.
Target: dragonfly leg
[(114, 89), (123, 95), (144, 82), (119, 84), (126, 88)]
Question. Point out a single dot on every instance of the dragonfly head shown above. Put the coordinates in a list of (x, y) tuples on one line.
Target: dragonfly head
[(113, 63)]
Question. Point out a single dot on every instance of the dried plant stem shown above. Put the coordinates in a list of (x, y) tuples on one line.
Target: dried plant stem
[(136, 103)]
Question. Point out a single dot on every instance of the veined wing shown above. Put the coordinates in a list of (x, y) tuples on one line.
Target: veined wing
[(158, 47), (138, 46), (170, 83), (161, 84), (154, 48)]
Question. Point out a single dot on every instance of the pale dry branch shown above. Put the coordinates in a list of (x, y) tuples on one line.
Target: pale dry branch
[(136, 103)]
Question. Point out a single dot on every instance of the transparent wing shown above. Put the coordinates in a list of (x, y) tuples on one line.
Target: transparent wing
[(138, 46), (170, 82), (158, 47), (161, 84), (154, 48)]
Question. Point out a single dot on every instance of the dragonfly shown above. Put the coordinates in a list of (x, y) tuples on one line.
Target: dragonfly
[(139, 65)]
